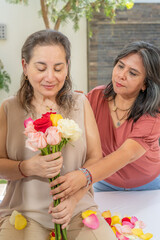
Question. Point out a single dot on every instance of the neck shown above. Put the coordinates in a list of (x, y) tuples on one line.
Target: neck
[(43, 105), (122, 104)]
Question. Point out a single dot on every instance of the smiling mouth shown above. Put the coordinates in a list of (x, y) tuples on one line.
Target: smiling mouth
[(119, 85), (48, 86)]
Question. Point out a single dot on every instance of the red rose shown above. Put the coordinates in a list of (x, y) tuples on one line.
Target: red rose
[(42, 124), (48, 114)]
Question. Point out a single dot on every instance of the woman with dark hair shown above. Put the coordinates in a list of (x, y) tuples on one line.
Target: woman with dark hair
[(128, 119), (46, 86)]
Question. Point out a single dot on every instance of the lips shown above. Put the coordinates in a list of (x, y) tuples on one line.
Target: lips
[(119, 85), (48, 86)]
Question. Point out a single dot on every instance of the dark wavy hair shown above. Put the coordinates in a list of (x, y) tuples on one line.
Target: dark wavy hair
[(147, 102), (46, 37)]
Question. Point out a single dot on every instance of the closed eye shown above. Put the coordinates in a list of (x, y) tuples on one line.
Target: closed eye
[(120, 66), (133, 74), (41, 70)]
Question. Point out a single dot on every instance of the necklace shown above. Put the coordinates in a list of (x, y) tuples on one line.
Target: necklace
[(115, 108), (45, 106), (120, 119)]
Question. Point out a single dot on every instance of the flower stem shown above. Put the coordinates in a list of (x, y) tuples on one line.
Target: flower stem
[(60, 234)]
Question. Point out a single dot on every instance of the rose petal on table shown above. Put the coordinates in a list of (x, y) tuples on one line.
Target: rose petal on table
[(88, 213), (137, 231), (140, 224), (128, 223), (115, 220), (123, 229), (108, 220), (106, 214), (114, 229), (91, 221), (126, 219), (146, 236), (133, 219), (121, 237)]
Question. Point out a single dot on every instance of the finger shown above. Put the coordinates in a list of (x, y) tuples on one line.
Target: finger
[(63, 220), (65, 225), (59, 189), (63, 194), (59, 208), (57, 181), (52, 156), (52, 175)]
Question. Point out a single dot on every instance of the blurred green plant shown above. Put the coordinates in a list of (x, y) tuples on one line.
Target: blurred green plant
[(59, 12), (3, 181), (4, 78)]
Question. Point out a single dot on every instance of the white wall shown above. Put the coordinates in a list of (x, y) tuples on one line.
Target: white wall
[(21, 21)]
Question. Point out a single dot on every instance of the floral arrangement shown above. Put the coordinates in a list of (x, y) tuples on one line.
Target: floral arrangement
[(49, 134), (126, 228)]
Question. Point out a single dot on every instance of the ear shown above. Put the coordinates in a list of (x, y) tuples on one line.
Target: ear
[(144, 86), (24, 66)]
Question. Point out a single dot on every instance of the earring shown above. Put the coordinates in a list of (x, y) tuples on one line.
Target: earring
[(26, 78), (67, 77)]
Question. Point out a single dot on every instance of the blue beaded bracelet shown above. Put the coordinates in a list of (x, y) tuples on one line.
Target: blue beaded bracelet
[(88, 175)]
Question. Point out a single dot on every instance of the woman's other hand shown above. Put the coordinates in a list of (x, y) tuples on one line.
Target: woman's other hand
[(62, 213), (70, 183), (47, 166)]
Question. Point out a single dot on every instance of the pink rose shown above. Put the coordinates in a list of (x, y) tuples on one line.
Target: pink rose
[(29, 128), (27, 121), (36, 141), (53, 136)]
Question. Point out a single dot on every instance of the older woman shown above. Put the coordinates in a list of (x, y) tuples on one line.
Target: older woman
[(46, 85)]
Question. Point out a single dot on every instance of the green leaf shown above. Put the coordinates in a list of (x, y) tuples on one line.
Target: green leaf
[(4, 78)]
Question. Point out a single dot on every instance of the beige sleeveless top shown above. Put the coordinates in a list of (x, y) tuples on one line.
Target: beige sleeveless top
[(30, 195)]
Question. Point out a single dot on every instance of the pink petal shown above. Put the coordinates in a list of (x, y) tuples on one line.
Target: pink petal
[(121, 237), (128, 223), (91, 221), (27, 121), (125, 229), (134, 219), (140, 224)]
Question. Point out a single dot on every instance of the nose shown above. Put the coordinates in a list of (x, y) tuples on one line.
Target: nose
[(123, 74), (50, 75)]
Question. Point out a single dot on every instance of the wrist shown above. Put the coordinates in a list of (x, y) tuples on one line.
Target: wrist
[(88, 176), (21, 169)]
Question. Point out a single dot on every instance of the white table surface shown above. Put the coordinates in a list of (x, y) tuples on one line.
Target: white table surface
[(145, 205)]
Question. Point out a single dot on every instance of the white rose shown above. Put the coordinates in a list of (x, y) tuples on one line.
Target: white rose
[(69, 129)]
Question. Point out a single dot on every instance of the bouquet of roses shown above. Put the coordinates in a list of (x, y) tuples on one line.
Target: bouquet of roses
[(49, 134)]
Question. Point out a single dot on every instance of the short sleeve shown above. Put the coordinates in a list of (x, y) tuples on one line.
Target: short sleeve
[(95, 96), (146, 131)]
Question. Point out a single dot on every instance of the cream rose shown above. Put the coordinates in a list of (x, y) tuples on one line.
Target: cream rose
[(69, 129)]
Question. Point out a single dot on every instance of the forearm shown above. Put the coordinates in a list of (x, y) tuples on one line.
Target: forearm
[(79, 194), (9, 169), (129, 152)]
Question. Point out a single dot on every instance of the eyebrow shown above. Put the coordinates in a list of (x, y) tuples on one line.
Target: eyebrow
[(57, 64), (133, 69)]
